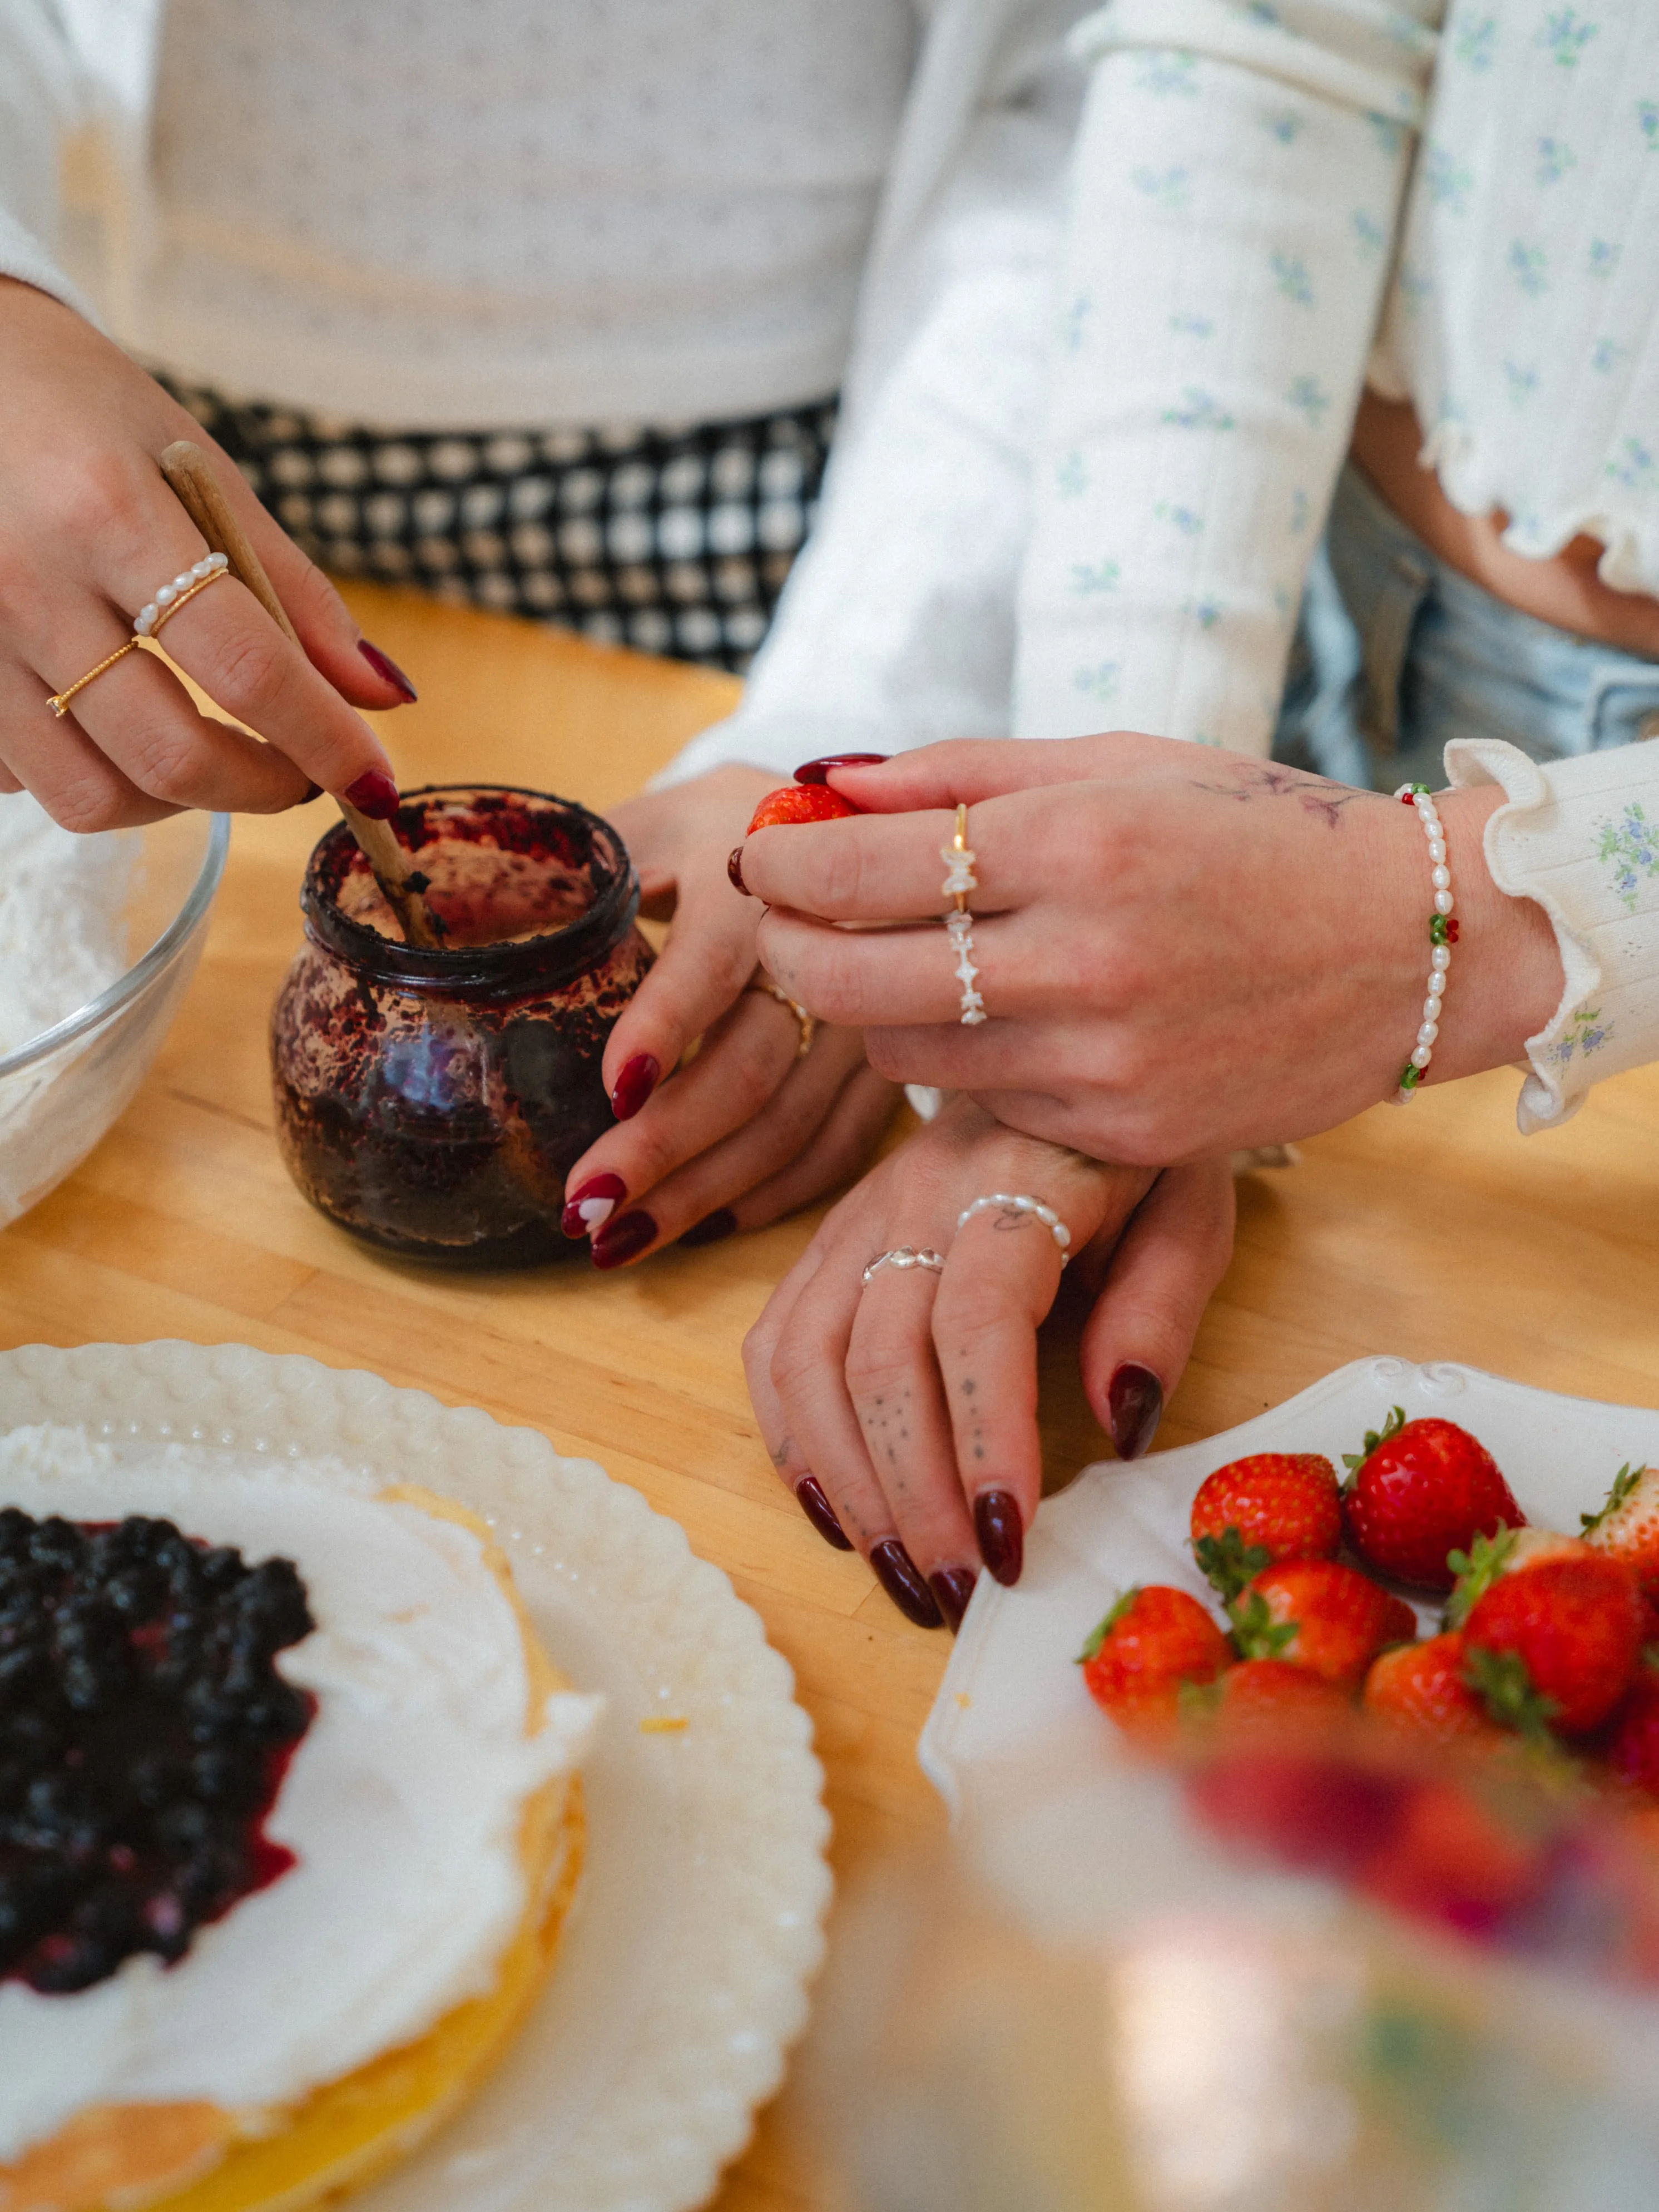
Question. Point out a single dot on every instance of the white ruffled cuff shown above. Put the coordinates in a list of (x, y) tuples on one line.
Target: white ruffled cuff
[(1580, 837)]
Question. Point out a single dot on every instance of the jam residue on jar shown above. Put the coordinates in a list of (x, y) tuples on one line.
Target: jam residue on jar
[(144, 1734), (433, 1102)]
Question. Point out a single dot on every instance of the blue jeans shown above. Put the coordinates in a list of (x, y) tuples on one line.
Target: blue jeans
[(1396, 652)]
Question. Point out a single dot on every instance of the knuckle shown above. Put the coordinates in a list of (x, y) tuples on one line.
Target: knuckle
[(840, 876), (166, 764), (875, 1369), (973, 1308), (834, 985), (726, 965), (97, 499), (1102, 845), (888, 1053), (752, 1069), (23, 596), (91, 803), (248, 672), (310, 598), (758, 1345), (795, 1362)]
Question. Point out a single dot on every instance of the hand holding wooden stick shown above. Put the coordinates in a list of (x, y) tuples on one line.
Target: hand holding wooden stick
[(189, 471)]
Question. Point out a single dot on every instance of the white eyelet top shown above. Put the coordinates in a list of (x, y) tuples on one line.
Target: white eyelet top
[(502, 213)]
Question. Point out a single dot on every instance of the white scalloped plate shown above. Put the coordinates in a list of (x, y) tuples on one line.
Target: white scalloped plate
[(682, 1978), (1012, 1695)]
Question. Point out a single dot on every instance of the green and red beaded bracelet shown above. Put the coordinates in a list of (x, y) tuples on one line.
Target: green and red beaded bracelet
[(1443, 935)]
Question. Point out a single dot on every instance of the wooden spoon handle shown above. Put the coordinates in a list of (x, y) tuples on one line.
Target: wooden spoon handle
[(190, 472)]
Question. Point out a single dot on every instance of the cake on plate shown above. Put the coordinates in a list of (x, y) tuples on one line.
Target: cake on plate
[(290, 1820)]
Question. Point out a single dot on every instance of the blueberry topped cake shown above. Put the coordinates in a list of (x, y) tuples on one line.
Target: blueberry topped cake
[(144, 1732), (289, 1821)]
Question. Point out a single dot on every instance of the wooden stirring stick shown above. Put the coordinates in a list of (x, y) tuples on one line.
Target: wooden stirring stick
[(190, 472)]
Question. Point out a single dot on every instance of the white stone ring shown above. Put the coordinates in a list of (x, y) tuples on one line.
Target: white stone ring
[(959, 880), (1006, 1201), (904, 1257)]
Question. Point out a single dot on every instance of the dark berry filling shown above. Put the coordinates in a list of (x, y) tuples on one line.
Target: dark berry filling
[(144, 1734)]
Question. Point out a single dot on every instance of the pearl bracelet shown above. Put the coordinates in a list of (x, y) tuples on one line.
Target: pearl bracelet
[(1443, 935)]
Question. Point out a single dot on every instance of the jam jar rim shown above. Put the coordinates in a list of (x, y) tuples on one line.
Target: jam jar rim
[(485, 971)]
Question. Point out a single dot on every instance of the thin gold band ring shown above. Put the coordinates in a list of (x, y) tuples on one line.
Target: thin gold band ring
[(809, 1027), (59, 701)]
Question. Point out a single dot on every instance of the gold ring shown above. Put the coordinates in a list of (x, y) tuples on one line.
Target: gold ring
[(809, 1028), (959, 861), (59, 701)]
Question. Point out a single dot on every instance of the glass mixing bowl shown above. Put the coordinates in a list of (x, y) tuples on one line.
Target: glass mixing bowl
[(61, 1090)]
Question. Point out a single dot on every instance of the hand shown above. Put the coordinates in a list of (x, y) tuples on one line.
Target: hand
[(749, 1129), (1181, 951), (902, 1414), (89, 530)]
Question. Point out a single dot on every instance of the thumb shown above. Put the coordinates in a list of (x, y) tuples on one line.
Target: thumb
[(1167, 1261), (963, 771)]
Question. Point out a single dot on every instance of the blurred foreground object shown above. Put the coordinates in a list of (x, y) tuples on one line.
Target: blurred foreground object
[(1098, 2002)]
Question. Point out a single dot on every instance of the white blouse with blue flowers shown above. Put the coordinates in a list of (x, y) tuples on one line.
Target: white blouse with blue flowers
[(1109, 360)]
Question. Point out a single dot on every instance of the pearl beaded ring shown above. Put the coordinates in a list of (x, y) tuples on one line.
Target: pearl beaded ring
[(1020, 1202), (168, 601), (1443, 935), (185, 585)]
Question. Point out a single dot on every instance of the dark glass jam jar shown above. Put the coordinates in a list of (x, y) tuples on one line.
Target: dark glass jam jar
[(433, 1102)]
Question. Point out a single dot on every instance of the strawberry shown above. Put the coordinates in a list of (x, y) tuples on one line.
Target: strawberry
[(1153, 1639), (1265, 1695), (1301, 1800), (1322, 1615), (1419, 1490), (800, 802), (1553, 1628), (1631, 1748), (1627, 1526), (1424, 1688), (1451, 1859), (1269, 1506)]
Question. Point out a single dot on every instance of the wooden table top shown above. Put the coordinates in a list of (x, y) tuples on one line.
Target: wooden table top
[(1437, 1234)]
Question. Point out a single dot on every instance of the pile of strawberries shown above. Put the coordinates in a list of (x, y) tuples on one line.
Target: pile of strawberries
[(1467, 1775), (1544, 1635)]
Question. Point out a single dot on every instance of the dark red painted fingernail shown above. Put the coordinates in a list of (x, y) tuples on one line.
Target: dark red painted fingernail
[(591, 1205), (734, 869), (313, 791), (712, 1228), (635, 1085), (387, 670), (1001, 1533), (953, 1587), (821, 1513), (622, 1240), (900, 1577), (1134, 1403), (373, 794), (818, 771)]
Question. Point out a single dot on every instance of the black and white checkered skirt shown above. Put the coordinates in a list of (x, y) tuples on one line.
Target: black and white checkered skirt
[(674, 540)]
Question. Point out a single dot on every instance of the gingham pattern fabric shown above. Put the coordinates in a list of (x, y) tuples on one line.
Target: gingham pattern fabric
[(674, 540)]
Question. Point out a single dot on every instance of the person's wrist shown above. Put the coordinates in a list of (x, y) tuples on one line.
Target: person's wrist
[(1505, 979)]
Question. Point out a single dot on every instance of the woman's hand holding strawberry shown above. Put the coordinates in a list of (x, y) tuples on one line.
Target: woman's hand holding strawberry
[(1180, 950)]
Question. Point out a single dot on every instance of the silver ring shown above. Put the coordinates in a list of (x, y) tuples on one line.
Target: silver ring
[(903, 1257), (1008, 1201)]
